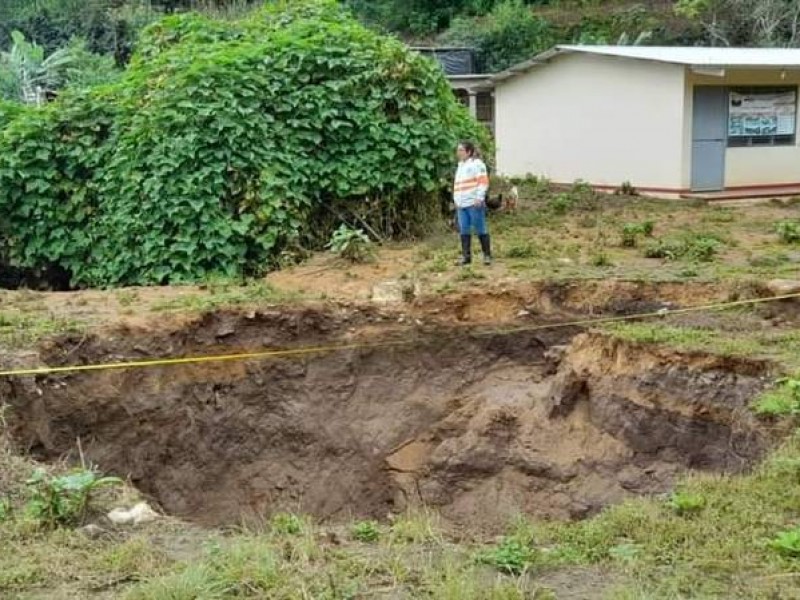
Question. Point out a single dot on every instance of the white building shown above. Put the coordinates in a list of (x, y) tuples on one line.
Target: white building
[(672, 121)]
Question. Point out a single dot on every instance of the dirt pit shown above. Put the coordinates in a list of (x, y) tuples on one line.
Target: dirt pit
[(556, 423)]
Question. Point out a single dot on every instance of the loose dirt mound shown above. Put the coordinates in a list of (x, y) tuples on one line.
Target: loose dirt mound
[(554, 423)]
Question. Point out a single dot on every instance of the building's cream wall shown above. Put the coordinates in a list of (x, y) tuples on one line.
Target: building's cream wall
[(603, 120), (759, 165)]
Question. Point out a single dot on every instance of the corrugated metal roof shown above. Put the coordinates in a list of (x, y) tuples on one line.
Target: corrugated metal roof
[(699, 56), (692, 56)]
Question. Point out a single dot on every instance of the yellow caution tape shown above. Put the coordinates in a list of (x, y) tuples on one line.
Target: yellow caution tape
[(190, 360)]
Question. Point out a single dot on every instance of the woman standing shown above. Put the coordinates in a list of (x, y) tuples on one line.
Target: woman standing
[(469, 193)]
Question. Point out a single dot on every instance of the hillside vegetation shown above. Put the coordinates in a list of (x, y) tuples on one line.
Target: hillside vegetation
[(226, 144)]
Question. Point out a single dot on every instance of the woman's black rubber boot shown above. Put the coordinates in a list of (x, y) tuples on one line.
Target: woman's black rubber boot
[(486, 248), (466, 251)]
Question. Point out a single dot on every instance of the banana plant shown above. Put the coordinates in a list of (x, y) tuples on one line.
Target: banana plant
[(26, 75)]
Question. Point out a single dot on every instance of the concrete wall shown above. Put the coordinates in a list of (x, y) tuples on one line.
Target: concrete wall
[(600, 119), (755, 166)]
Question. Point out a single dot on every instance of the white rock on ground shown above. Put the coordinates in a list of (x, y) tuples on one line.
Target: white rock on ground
[(390, 292), (141, 513), (783, 287)]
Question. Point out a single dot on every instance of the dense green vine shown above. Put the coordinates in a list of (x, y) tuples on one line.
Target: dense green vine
[(222, 144)]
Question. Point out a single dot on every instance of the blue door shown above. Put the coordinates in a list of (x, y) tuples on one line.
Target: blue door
[(709, 138)]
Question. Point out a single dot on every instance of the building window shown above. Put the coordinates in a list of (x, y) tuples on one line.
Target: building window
[(762, 116)]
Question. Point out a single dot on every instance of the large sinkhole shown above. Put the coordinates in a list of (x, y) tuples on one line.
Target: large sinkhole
[(553, 423)]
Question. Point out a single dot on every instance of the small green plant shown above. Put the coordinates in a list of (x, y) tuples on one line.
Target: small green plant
[(510, 555), (693, 247), (632, 231), (366, 531), (63, 500), (787, 543), (666, 249), (286, 524), (686, 503), (702, 248), (788, 231), (350, 244), (561, 204)]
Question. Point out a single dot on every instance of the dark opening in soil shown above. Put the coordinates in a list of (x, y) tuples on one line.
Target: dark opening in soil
[(554, 423)]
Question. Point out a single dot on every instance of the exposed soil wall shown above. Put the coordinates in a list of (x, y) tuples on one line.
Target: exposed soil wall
[(553, 423)]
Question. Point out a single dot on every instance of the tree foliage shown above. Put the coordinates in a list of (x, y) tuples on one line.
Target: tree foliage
[(28, 76), (746, 22), (510, 33), (225, 142), (417, 17)]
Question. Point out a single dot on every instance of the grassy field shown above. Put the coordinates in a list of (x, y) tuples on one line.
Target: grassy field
[(714, 537)]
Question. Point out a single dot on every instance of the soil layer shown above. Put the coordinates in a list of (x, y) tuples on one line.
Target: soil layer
[(555, 423)]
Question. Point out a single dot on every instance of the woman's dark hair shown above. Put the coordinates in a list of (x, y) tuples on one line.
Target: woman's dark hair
[(469, 147)]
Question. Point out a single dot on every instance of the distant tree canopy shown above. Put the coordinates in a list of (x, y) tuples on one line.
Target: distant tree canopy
[(746, 22), (224, 144)]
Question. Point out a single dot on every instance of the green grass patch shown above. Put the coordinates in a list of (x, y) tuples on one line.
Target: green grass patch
[(782, 400), (221, 295), (18, 329), (725, 551)]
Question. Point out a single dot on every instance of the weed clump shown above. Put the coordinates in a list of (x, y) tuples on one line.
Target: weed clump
[(510, 555), (366, 531), (788, 231), (690, 247), (686, 503), (631, 232)]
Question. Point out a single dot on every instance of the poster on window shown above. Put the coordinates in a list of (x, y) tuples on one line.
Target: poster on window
[(762, 113)]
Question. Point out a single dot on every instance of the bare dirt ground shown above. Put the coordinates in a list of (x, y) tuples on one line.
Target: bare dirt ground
[(484, 407)]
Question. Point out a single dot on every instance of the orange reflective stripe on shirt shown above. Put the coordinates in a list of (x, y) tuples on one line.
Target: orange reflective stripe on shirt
[(472, 183)]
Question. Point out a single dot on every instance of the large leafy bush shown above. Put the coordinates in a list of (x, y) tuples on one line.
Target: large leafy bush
[(224, 143)]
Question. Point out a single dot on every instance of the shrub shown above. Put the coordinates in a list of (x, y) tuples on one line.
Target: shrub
[(509, 34), (788, 231), (366, 531), (350, 244), (698, 248), (226, 142)]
